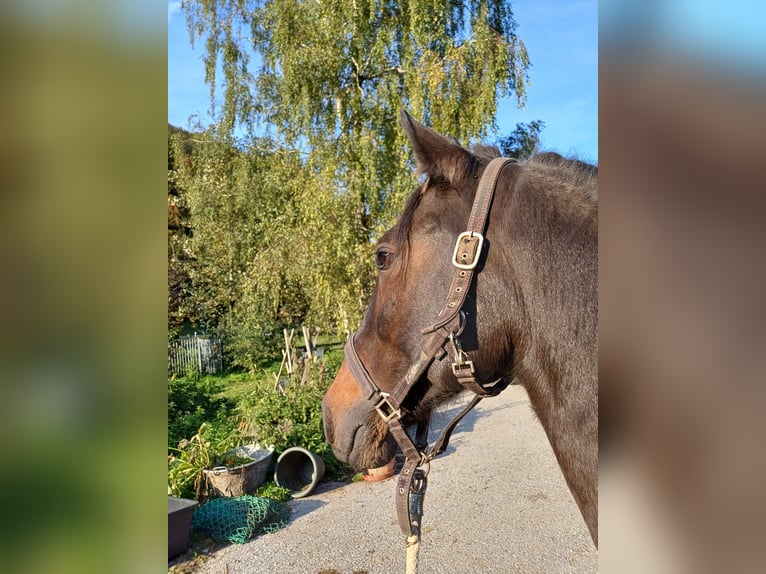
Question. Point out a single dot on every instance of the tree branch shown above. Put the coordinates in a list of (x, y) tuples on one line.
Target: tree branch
[(383, 72)]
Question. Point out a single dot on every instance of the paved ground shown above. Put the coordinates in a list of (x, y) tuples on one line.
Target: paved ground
[(496, 502)]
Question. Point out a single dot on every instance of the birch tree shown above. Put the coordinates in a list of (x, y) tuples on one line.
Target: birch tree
[(323, 81)]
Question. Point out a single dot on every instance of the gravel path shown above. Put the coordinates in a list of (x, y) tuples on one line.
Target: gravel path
[(496, 502)]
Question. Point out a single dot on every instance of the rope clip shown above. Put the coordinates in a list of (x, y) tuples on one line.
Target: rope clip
[(460, 362), (416, 497)]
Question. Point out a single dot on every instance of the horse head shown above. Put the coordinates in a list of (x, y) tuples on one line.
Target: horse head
[(414, 261)]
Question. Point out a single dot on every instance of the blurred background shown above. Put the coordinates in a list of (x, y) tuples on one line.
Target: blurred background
[(82, 286), (682, 278)]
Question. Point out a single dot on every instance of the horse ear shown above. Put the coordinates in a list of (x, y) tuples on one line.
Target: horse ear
[(435, 154)]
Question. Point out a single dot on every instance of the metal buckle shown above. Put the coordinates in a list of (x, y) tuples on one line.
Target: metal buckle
[(462, 264), (461, 366), (392, 412), (459, 362)]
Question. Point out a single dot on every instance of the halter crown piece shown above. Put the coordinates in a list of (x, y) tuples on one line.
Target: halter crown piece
[(443, 340)]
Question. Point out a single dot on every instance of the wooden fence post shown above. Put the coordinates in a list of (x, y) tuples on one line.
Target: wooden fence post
[(290, 351)]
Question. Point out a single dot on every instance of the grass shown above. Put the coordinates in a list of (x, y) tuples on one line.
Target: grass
[(234, 386)]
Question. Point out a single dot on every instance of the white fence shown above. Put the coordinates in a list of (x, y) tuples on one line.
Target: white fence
[(195, 354)]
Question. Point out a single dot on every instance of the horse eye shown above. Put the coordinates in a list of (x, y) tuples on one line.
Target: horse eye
[(383, 259)]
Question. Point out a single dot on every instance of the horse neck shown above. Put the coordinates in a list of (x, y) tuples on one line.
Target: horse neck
[(548, 240), (553, 252)]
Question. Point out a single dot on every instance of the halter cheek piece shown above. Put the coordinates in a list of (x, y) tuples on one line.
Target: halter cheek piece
[(443, 340)]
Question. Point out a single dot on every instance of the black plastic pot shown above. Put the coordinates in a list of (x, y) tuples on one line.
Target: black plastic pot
[(180, 514)]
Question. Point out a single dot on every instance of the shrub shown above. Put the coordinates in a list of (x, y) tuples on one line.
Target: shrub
[(193, 401), (186, 463), (292, 416), (273, 491)]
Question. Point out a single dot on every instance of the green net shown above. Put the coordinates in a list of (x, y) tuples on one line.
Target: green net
[(239, 518)]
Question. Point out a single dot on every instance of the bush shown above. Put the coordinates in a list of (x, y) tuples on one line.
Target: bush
[(292, 417), (273, 491), (193, 401), (186, 463), (249, 338)]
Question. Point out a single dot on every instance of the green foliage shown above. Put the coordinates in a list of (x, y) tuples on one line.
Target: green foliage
[(339, 68), (292, 417), (179, 234), (283, 220), (522, 141), (273, 491), (192, 402), (203, 450), (271, 248), (333, 360), (236, 206)]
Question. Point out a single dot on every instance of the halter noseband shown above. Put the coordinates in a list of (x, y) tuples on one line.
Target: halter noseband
[(447, 329)]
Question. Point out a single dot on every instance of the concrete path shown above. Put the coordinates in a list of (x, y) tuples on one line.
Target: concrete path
[(496, 502)]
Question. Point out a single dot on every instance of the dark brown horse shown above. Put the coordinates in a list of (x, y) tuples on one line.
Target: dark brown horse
[(531, 310)]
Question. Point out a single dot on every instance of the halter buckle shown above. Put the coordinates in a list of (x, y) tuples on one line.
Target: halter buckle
[(458, 368), (386, 410), (467, 250)]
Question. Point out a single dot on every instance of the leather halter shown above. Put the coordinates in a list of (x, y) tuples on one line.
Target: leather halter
[(446, 329)]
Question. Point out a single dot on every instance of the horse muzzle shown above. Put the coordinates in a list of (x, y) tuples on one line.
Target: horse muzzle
[(353, 429)]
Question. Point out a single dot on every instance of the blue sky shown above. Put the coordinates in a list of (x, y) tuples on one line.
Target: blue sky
[(561, 37)]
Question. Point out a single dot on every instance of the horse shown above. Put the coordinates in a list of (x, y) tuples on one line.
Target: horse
[(527, 315)]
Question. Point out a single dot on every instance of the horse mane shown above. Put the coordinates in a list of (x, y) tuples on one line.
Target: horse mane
[(571, 173)]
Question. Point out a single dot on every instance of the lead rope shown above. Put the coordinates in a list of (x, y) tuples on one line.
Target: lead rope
[(413, 548), (413, 479)]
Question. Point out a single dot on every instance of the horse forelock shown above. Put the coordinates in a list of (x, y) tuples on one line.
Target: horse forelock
[(400, 234)]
